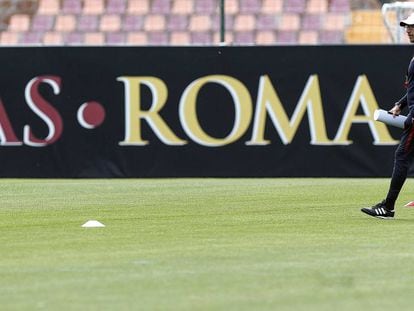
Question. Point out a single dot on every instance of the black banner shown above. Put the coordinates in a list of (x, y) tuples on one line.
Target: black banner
[(292, 111)]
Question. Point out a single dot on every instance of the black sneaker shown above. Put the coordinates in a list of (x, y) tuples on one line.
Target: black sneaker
[(380, 211)]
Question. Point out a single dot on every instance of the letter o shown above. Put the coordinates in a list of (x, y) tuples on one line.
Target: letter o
[(242, 104)]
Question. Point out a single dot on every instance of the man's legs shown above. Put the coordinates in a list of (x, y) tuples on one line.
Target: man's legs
[(402, 161)]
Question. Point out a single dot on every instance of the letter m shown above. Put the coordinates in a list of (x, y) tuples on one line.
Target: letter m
[(268, 102)]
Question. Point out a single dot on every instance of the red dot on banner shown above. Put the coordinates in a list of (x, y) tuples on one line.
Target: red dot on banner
[(91, 114)]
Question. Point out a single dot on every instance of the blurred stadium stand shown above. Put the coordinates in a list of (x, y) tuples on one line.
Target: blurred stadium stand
[(190, 22)]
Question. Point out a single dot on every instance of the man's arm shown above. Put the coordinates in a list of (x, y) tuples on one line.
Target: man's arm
[(402, 102), (399, 106)]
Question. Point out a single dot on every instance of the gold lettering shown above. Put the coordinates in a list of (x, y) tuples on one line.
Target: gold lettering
[(242, 103), (268, 102), (362, 93), (134, 114)]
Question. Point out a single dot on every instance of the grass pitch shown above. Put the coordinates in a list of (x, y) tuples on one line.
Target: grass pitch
[(204, 244)]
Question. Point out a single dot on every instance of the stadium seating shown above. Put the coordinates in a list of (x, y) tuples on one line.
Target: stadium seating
[(177, 22), (367, 27)]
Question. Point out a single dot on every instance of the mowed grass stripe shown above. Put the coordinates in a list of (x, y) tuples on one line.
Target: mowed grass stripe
[(203, 244)]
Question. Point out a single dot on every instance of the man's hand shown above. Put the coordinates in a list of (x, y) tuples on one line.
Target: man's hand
[(396, 110)]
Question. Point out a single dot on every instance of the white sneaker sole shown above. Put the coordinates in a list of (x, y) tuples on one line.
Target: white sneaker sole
[(383, 217)]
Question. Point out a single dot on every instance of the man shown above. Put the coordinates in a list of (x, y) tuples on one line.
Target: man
[(404, 154)]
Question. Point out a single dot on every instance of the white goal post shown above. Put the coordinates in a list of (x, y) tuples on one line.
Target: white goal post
[(392, 14)]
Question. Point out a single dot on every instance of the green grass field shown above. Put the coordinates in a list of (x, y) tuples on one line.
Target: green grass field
[(203, 244)]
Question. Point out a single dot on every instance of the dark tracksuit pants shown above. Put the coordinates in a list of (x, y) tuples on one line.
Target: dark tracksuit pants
[(403, 158)]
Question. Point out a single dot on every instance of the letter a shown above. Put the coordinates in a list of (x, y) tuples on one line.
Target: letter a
[(363, 94), (7, 135)]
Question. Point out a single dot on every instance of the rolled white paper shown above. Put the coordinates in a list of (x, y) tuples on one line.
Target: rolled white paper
[(388, 118)]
